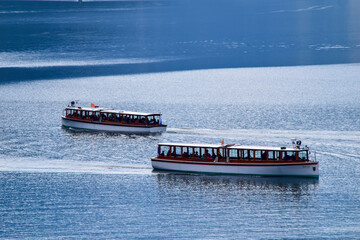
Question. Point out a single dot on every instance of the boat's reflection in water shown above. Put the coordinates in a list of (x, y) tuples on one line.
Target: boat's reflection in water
[(289, 186), (77, 131)]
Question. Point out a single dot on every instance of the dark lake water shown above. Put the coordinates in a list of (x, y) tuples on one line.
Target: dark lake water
[(248, 72)]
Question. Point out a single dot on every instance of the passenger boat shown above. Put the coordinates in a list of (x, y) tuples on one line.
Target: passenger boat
[(236, 159), (110, 120)]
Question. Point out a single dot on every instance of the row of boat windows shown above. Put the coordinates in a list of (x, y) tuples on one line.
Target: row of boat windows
[(212, 153), (113, 117)]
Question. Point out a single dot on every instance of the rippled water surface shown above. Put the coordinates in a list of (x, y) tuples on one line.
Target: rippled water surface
[(61, 183), (64, 183)]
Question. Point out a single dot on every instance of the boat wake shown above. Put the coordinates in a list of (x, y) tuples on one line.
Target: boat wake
[(70, 166)]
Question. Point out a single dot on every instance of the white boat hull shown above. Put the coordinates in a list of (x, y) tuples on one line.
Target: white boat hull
[(310, 169), (111, 128)]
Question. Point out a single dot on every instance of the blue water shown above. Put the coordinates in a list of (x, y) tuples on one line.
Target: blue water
[(249, 72)]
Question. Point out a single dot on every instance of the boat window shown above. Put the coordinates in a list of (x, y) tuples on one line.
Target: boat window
[(78, 113), (150, 120), (190, 151), (263, 155), (126, 118), (221, 153), (291, 155), (303, 155), (207, 153), (157, 119), (83, 114), (213, 153), (132, 118), (257, 154), (196, 152), (104, 116), (271, 155), (91, 115), (244, 154), (97, 116), (185, 152), (111, 117), (277, 155), (164, 151), (288, 156), (176, 151), (233, 154), (251, 154)]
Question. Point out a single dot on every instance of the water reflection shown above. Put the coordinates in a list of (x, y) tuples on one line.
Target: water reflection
[(297, 187), (76, 132)]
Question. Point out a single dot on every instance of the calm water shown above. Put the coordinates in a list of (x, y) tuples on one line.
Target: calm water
[(58, 183)]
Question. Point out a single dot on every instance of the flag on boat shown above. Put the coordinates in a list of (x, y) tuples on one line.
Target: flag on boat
[(92, 105), (222, 142)]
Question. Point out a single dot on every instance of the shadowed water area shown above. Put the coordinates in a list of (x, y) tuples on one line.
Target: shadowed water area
[(44, 40), (240, 76)]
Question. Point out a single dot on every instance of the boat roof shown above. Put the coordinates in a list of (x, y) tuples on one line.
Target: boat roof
[(192, 145), (244, 147), (110, 110), (233, 146)]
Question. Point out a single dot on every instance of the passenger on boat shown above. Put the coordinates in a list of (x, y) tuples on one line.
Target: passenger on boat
[(162, 153), (103, 116)]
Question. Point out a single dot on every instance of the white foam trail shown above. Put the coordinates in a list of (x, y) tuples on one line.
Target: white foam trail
[(312, 8), (12, 61), (69, 166)]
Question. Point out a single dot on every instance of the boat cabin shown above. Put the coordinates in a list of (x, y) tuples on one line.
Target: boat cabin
[(111, 116), (230, 152)]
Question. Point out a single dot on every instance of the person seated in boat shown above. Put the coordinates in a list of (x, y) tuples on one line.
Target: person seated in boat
[(213, 155), (174, 153), (168, 153), (196, 154), (263, 155), (207, 155), (162, 153), (103, 116), (185, 154)]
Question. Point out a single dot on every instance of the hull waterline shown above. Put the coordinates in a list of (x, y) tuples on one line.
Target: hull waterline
[(310, 169), (96, 126)]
